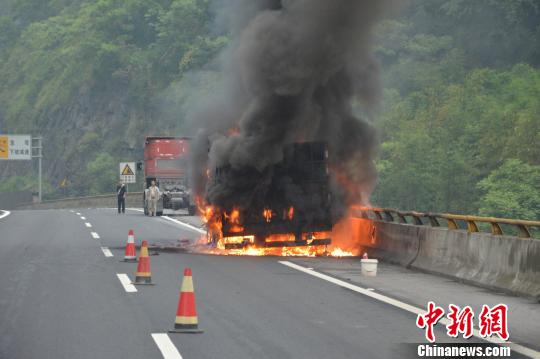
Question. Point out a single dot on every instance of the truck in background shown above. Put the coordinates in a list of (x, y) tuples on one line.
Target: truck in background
[(166, 162)]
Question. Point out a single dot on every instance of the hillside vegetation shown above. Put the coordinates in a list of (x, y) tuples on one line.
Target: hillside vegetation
[(459, 126)]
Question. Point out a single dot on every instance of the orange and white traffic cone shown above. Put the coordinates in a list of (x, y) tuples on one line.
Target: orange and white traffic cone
[(186, 314), (143, 274), (130, 254)]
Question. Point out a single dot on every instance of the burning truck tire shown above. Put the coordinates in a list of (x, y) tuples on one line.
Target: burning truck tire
[(289, 205)]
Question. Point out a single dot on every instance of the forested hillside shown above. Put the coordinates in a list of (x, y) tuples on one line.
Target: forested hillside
[(460, 130), (459, 125)]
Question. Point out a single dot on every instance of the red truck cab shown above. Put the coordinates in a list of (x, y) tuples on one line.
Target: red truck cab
[(166, 162)]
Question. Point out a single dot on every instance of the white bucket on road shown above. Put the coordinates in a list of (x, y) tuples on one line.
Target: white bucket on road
[(369, 267)]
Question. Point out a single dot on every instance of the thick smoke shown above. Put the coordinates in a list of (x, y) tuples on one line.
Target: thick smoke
[(292, 73)]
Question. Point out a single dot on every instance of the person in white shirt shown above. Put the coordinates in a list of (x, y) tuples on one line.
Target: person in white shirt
[(153, 198)]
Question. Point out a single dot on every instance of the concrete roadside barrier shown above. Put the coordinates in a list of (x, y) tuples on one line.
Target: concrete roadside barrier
[(505, 263), (390, 242), (133, 199)]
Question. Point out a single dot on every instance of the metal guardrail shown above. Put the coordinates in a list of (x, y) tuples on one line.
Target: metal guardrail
[(420, 218), (74, 201), (99, 196)]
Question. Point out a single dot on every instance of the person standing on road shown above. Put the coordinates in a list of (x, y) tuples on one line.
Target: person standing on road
[(121, 191), (153, 198)]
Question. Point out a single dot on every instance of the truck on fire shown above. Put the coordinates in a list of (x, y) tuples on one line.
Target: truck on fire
[(166, 163), (291, 208)]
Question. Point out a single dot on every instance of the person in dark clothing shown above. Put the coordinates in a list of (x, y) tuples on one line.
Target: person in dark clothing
[(121, 191)]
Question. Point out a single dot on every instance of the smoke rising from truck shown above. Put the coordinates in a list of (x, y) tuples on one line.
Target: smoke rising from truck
[(292, 73)]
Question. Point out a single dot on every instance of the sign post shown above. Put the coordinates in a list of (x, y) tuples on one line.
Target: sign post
[(37, 152)]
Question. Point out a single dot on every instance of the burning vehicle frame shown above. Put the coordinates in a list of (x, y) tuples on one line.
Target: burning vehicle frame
[(292, 209)]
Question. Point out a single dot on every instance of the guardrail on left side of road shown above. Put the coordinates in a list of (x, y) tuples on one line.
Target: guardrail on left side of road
[(133, 199)]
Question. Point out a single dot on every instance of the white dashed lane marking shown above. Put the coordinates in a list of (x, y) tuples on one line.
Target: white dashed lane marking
[(83, 218), (126, 283), (107, 252), (95, 235), (88, 225), (166, 346)]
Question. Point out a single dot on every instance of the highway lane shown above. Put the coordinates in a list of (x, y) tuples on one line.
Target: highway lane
[(61, 298), (58, 296)]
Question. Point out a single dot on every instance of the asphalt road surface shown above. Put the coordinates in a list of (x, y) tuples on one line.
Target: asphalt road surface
[(61, 297)]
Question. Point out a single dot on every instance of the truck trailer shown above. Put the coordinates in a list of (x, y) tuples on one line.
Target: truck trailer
[(166, 163)]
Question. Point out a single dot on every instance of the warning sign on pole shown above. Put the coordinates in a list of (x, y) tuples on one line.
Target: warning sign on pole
[(127, 172)]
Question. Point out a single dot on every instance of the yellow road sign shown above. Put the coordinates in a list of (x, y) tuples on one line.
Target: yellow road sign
[(15, 147), (127, 171), (3, 146)]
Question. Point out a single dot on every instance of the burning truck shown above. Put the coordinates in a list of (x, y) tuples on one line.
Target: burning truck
[(291, 208), (284, 144)]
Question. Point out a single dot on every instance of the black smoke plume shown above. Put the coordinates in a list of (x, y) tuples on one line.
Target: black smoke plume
[(292, 73)]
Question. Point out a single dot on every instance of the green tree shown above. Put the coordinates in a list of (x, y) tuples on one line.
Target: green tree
[(511, 191), (103, 174)]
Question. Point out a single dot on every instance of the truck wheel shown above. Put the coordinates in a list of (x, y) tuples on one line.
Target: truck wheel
[(192, 210), (159, 213)]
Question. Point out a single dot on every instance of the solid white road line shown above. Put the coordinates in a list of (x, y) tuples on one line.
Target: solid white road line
[(88, 225), (187, 225), (107, 252), (166, 346), (193, 228), (83, 218), (126, 282), (95, 235), (4, 214), (407, 307)]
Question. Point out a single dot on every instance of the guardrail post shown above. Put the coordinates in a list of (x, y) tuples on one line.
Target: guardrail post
[(378, 215), (452, 224), (523, 231), (417, 220), (496, 229), (402, 218), (434, 221), (471, 226), (389, 216)]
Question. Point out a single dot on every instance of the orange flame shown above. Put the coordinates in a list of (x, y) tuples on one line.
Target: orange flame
[(348, 236), (290, 213), (267, 214)]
